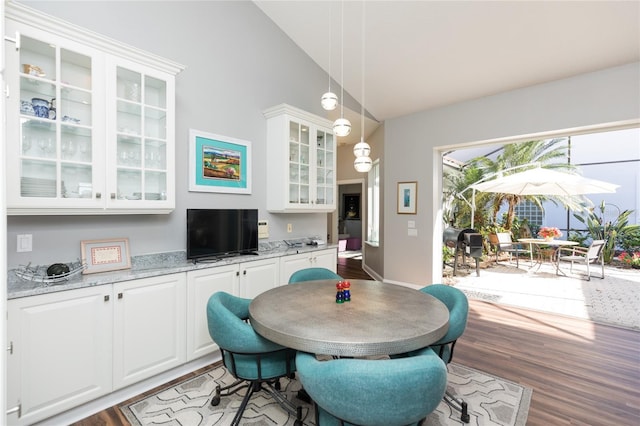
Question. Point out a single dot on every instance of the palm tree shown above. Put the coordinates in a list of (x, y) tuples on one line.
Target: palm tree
[(547, 153)]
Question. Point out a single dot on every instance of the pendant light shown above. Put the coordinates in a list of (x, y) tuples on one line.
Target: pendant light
[(342, 126), (329, 100), (362, 149)]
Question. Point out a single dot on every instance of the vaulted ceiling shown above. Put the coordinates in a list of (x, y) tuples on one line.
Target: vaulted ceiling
[(426, 54)]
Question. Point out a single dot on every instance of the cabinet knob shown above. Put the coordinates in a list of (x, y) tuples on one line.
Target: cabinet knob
[(106, 298), (244, 272), (237, 273), (98, 195), (113, 195), (119, 295)]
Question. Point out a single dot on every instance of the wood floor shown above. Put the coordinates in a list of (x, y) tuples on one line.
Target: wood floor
[(581, 373)]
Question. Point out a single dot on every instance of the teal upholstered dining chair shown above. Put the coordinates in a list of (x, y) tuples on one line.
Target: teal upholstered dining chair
[(458, 305), (310, 274), (387, 392), (255, 362)]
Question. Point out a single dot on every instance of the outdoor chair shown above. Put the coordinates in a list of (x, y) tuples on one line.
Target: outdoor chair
[(506, 245), (256, 363), (583, 255), (380, 392)]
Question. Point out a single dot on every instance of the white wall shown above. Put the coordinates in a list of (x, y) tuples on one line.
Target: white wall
[(412, 144), (238, 63)]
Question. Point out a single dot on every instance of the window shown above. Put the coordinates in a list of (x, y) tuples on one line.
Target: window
[(373, 204), (527, 210)]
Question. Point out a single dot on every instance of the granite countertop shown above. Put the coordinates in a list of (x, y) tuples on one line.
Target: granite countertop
[(149, 265)]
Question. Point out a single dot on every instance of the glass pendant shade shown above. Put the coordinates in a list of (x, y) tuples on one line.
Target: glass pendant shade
[(361, 149), (362, 164), (329, 101), (342, 127)]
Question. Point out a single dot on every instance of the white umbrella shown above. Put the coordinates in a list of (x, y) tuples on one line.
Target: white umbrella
[(541, 181)]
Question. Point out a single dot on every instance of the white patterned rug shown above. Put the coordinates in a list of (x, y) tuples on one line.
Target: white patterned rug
[(491, 401)]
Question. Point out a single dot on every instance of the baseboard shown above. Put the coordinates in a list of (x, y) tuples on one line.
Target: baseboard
[(114, 398)]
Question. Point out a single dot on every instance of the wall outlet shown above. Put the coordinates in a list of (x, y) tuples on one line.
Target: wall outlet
[(289, 227)]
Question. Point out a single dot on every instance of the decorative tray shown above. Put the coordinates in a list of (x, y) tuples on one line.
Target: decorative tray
[(39, 273)]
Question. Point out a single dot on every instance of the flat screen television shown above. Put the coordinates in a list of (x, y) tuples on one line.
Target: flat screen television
[(214, 233)]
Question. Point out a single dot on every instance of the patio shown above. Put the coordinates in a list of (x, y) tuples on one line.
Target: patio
[(613, 300)]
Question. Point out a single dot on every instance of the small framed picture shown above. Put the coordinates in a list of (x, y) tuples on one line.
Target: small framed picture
[(407, 197), (105, 255), (219, 163)]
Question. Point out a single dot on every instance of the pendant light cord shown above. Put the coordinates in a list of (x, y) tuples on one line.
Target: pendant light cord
[(363, 74), (342, 60), (330, 41)]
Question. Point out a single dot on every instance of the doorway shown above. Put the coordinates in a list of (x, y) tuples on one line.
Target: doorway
[(349, 219)]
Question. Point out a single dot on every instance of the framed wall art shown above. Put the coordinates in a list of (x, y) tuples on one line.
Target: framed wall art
[(219, 163), (407, 197), (105, 255)]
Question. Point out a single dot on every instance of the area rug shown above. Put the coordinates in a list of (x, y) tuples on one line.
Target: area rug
[(491, 401)]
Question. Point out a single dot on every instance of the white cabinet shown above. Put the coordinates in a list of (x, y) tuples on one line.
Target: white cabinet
[(91, 122), (246, 279), (149, 327), (201, 284), (316, 259), (70, 347), (301, 157), (61, 351), (258, 276)]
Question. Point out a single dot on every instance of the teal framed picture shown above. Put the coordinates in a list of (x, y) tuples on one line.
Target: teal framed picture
[(219, 163), (407, 197)]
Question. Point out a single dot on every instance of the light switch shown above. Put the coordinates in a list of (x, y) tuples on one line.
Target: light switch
[(25, 243), (412, 232), (411, 224)]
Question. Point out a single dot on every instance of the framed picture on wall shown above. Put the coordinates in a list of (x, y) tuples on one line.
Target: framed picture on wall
[(219, 163), (351, 206), (407, 197)]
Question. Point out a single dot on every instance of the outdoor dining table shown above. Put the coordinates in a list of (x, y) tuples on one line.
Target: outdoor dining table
[(380, 319), (538, 242)]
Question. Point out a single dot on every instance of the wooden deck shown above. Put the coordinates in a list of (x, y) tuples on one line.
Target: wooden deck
[(581, 373)]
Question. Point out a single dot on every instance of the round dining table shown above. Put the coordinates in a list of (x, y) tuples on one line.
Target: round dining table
[(380, 319)]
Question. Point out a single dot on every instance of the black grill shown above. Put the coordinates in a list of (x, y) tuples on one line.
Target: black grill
[(467, 242)]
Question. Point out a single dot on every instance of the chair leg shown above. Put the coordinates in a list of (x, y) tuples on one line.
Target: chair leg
[(228, 390), (287, 405), (457, 404), (255, 386)]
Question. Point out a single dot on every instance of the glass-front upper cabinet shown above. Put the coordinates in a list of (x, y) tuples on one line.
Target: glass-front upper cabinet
[(301, 159), (49, 117), (140, 125), (86, 127)]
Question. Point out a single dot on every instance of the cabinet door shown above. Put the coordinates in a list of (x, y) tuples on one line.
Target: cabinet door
[(61, 351), (258, 276), (293, 263), (325, 157), (51, 122), (141, 125), (201, 284), (149, 327), (299, 164), (326, 259)]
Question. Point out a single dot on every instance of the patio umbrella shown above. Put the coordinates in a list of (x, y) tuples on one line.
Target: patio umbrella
[(541, 181)]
